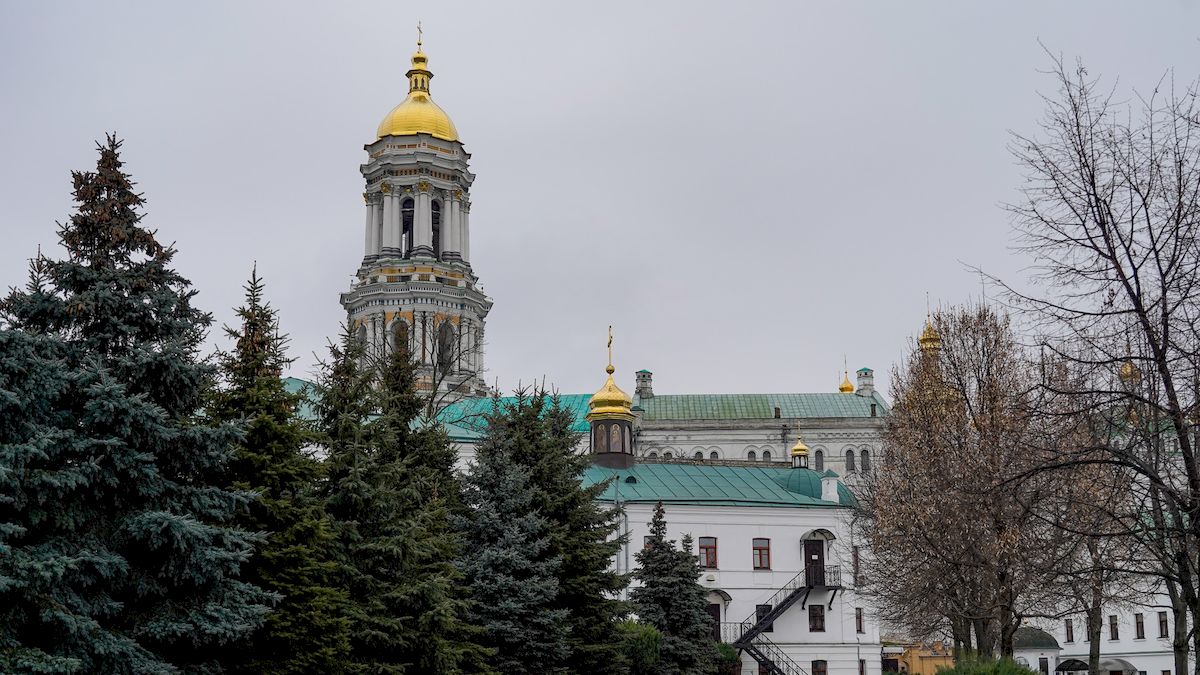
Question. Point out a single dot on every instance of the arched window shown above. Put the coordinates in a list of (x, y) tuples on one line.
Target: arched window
[(407, 208), (666, 455), (819, 460), (614, 439), (849, 461), (866, 460), (766, 455), (445, 347), (652, 455), (437, 229), (751, 456), (362, 334), (713, 455), (400, 335), (601, 439), (699, 455)]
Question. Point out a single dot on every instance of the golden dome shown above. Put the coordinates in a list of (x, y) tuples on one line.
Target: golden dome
[(847, 387), (417, 113), (799, 449), (610, 401), (1129, 373), (930, 340)]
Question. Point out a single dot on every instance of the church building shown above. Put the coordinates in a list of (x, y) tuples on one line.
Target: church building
[(761, 481)]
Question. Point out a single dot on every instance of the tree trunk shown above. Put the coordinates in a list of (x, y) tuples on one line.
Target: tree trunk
[(1179, 643), (960, 631), (984, 644), (1094, 627)]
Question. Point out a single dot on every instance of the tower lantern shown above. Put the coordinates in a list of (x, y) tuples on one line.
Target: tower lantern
[(799, 453), (610, 418)]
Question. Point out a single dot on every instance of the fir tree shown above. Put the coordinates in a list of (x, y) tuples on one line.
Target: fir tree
[(583, 534), (396, 546), (119, 556), (308, 630), (670, 599), (513, 582)]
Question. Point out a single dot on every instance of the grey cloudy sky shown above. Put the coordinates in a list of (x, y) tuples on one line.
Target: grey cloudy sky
[(746, 191)]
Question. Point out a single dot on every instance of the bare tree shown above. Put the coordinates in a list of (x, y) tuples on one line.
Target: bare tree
[(951, 536), (1110, 215)]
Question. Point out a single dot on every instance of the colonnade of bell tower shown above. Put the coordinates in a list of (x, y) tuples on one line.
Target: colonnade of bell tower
[(415, 288)]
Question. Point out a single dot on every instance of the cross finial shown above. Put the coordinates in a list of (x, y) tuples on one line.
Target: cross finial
[(419, 36), (610, 365)]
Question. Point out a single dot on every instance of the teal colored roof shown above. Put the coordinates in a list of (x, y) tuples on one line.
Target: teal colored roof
[(710, 485), (470, 413), (1028, 637), (759, 406), (295, 385)]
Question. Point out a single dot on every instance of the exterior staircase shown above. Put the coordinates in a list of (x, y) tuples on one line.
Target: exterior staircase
[(748, 636)]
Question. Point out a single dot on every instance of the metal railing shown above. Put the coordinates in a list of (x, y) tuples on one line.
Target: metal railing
[(777, 657)]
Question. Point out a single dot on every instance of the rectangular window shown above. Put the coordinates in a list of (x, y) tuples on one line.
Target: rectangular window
[(862, 667), (816, 618), (1166, 672), (1070, 630), (1112, 628), (819, 668), (859, 624), (1162, 625), (1141, 672), (761, 611), (1044, 666), (764, 669), (646, 541), (762, 554), (708, 553), (855, 563), (1139, 627)]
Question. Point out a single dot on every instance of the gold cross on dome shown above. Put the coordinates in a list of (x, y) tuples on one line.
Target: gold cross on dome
[(610, 345), (419, 35)]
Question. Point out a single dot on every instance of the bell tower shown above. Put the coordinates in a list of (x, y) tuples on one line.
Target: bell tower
[(415, 288)]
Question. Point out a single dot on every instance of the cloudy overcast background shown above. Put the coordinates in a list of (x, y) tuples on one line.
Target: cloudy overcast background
[(746, 191)]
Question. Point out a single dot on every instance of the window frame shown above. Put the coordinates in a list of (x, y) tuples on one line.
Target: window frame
[(816, 618), (1139, 626), (860, 624), (1163, 626), (819, 667), (759, 612), (759, 554), (705, 551), (1069, 629), (1114, 632)]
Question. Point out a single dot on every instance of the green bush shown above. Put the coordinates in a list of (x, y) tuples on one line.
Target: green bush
[(640, 644), (975, 666)]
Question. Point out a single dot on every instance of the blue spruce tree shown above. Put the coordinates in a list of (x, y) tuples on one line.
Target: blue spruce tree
[(116, 553), (512, 577), (670, 599)]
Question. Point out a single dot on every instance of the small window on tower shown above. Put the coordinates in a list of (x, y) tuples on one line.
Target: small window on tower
[(766, 455), (751, 456), (819, 460), (406, 226), (437, 229)]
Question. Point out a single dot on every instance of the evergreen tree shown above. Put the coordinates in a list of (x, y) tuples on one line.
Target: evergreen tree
[(537, 430), (396, 547), (513, 582), (308, 630), (118, 553), (670, 599)]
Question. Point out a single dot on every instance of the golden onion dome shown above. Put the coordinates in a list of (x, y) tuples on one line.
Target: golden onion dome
[(930, 340), (847, 387), (417, 113), (799, 449), (1129, 373), (610, 401)]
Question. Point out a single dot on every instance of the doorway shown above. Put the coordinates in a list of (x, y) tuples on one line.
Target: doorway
[(814, 562)]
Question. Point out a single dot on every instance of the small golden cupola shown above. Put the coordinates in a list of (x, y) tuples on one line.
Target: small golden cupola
[(417, 113), (930, 340), (610, 416), (799, 453), (846, 387)]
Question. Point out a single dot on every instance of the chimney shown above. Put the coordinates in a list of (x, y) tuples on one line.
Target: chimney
[(829, 487), (866, 382), (644, 385)]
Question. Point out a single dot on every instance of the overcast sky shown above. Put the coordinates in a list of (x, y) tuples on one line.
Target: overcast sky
[(746, 191)]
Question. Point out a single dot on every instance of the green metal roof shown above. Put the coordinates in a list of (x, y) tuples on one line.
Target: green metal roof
[(711, 485), (1028, 637), (759, 406), (470, 413), (295, 385)]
